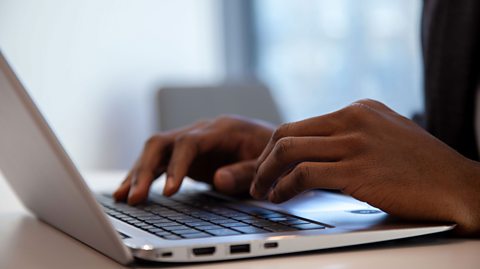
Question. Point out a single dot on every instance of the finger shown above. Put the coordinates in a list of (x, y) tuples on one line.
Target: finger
[(141, 183), (156, 145), (234, 179), (324, 125), (307, 176), (186, 148), (121, 193), (289, 151), (148, 167)]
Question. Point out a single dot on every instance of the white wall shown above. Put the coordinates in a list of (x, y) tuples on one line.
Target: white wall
[(94, 66)]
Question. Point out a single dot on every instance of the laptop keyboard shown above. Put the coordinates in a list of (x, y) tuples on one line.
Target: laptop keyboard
[(187, 216)]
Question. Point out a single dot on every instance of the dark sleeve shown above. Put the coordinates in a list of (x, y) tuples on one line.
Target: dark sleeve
[(450, 41)]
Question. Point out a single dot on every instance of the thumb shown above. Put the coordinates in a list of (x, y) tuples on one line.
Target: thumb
[(234, 179)]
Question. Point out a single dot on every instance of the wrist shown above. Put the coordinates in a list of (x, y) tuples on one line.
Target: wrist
[(468, 196)]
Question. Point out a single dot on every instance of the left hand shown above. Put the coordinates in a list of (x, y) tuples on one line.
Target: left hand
[(370, 152)]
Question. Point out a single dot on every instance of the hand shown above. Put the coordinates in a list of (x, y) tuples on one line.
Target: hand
[(370, 152), (221, 151)]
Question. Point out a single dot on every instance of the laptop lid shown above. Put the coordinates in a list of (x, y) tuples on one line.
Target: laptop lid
[(43, 176)]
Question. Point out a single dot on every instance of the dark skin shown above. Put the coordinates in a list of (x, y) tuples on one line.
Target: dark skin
[(222, 152), (365, 150)]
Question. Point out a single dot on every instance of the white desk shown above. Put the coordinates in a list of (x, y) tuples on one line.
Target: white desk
[(26, 242)]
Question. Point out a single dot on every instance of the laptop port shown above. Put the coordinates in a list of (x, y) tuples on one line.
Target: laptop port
[(203, 251), (166, 254), (237, 249), (270, 245)]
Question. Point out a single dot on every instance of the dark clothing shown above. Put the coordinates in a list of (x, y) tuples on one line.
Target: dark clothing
[(451, 49)]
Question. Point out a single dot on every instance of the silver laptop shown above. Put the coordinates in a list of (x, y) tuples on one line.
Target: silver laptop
[(192, 226)]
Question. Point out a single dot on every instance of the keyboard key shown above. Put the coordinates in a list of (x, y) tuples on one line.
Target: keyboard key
[(249, 230), (185, 219), (185, 231), (172, 215), (272, 215), (198, 223), (278, 218), (246, 217), (152, 217), (309, 226), (195, 235), (209, 216), (166, 224), (233, 224), (218, 218), (209, 227), (171, 237), (155, 230), (158, 221), (258, 222), (163, 233), (175, 228), (222, 232), (224, 211), (127, 219), (279, 228), (224, 221), (294, 222), (235, 215), (144, 225)]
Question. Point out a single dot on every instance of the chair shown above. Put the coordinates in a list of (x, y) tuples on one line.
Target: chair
[(179, 106)]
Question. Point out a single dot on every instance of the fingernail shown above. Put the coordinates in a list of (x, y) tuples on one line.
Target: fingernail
[(116, 196), (227, 180), (131, 191), (252, 190), (130, 199), (272, 197), (169, 186)]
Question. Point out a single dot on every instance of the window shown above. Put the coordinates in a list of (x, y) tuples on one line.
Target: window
[(318, 56), (94, 67)]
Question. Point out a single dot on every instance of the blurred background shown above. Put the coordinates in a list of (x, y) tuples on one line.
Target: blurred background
[(95, 68)]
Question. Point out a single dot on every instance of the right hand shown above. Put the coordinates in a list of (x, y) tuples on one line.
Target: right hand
[(221, 152)]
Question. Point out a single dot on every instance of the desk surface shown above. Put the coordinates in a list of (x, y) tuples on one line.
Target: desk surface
[(25, 242)]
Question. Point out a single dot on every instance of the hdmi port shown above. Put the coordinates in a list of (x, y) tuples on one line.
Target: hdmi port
[(203, 251)]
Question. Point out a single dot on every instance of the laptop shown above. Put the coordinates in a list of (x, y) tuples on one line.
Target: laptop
[(192, 226)]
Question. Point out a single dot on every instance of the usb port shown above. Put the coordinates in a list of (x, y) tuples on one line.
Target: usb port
[(270, 245), (166, 254), (203, 251), (237, 249)]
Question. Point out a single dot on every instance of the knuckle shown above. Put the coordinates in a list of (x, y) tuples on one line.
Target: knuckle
[(153, 141), (368, 101), (224, 119), (180, 138), (281, 131), (185, 138), (356, 113), (301, 174), (202, 122), (282, 147), (188, 141), (357, 109), (142, 171), (373, 104), (297, 188), (356, 142)]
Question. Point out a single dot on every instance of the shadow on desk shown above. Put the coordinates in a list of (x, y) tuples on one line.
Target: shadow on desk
[(26, 242)]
